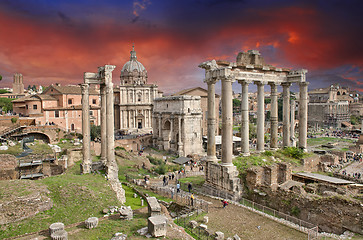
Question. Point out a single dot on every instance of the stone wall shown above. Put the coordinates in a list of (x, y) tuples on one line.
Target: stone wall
[(331, 213), (8, 167)]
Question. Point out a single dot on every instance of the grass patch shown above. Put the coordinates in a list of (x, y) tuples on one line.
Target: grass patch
[(75, 198), (14, 150), (107, 228), (134, 203), (325, 140)]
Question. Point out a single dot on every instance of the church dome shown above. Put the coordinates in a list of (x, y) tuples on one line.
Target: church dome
[(133, 72)]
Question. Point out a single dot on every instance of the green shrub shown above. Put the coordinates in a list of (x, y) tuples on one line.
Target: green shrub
[(295, 211), (14, 120), (267, 153), (155, 161), (120, 148), (161, 169), (293, 152)]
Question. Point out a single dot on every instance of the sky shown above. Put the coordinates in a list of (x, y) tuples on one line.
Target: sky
[(56, 41)]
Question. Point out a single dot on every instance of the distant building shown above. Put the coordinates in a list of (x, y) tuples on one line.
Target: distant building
[(329, 107), (18, 88), (203, 94), (177, 122), (134, 98), (60, 105)]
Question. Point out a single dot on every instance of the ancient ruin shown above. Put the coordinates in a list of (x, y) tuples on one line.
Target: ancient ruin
[(177, 122), (222, 179), (103, 78)]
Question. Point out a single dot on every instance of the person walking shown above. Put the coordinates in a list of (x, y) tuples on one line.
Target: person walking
[(190, 187), (178, 187), (172, 193), (192, 199)]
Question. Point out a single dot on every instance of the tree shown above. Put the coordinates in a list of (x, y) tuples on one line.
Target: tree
[(6, 104), (95, 132), (14, 120), (29, 87), (354, 120), (236, 102), (252, 131), (1, 77)]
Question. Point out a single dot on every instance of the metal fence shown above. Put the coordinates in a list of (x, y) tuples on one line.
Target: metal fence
[(303, 225)]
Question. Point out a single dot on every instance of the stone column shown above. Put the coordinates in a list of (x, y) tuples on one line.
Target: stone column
[(211, 118), (112, 167), (274, 117), (160, 137), (245, 140), (86, 130), (303, 115), (227, 122), (103, 124), (260, 117), (180, 144), (292, 125), (286, 114)]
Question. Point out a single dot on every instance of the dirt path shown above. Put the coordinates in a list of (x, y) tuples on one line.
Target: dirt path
[(248, 225)]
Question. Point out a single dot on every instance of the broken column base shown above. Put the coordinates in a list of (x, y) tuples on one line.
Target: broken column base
[(85, 168), (222, 181), (157, 225)]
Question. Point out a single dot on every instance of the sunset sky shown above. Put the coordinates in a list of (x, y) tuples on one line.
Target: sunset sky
[(56, 41)]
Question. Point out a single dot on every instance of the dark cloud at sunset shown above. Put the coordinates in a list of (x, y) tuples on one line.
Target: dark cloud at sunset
[(56, 41)]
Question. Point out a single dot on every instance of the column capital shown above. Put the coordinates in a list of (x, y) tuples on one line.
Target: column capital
[(303, 84), (210, 80), (228, 78), (260, 82), (244, 82), (274, 84), (286, 84), (84, 87)]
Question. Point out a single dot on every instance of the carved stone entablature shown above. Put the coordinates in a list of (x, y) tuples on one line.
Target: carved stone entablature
[(103, 75), (256, 76), (297, 75)]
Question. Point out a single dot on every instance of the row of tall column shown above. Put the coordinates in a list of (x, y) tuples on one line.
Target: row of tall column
[(128, 118), (227, 118), (107, 122)]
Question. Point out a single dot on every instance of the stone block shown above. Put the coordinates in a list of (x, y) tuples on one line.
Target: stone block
[(203, 226), (91, 222), (153, 206), (205, 219), (157, 225), (193, 224), (125, 213), (219, 236), (236, 237), (54, 227), (59, 235), (119, 236)]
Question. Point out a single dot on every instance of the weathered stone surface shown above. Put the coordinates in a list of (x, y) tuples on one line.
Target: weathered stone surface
[(205, 219), (54, 227), (203, 226), (91, 222), (219, 236), (119, 236), (105, 211), (153, 206), (193, 224), (59, 235), (236, 237), (125, 213), (157, 225)]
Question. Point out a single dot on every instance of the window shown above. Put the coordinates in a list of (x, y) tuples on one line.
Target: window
[(94, 101), (70, 101), (35, 106), (91, 113), (56, 113), (26, 106)]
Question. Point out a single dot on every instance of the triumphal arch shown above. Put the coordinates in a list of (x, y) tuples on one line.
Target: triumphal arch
[(250, 67)]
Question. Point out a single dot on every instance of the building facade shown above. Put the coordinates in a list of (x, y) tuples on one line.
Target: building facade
[(203, 94), (329, 107), (60, 105), (177, 124), (134, 98)]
